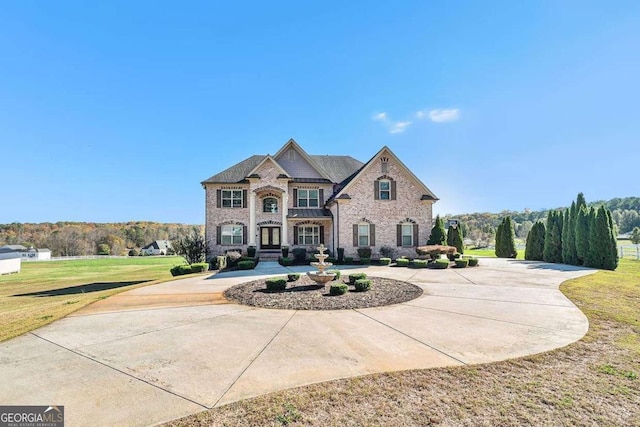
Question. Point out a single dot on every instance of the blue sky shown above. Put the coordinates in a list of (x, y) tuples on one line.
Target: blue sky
[(116, 111)]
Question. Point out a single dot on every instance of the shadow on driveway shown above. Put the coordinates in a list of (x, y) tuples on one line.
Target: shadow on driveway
[(81, 289), (549, 266)]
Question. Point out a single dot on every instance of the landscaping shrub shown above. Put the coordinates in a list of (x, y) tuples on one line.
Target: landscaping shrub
[(338, 289), (385, 261), (199, 267), (221, 262), (348, 260), (331, 259), (285, 251), (420, 263), (292, 277), (337, 272), (363, 285), (251, 251), (454, 238), (440, 264), (387, 252), (233, 257), (473, 262), (286, 261), (462, 263), (133, 252), (438, 234), (180, 270), (356, 276), (434, 251), (453, 257), (299, 255), (276, 284), (365, 261), (340, 254), (402, 262), (364, 253), (246, 265)]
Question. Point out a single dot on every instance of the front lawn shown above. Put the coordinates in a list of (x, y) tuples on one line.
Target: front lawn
[(489, 253)]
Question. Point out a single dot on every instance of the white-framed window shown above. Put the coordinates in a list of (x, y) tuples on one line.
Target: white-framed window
[(308, 198), (385, 189), (231, 198), (270, 204), (407, 234), (363, 234), (308, 235), (231, 235)]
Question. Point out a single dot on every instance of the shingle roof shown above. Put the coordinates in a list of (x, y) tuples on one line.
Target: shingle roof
[(337, 168), (237, 172), (308, 213), (12, 248)]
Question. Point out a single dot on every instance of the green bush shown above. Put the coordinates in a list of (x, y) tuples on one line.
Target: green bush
[(292, 277), (385, 261), (299, 255), (348, 260), (365, 261), (402, 262), (199, 267), (387, 251), (286, 261), (420, 263), (221, 262), (246, 265), (340, 254), (285, 251), (337, 272), (331, 259), (180, 270), (462, 263), (338, 289), (440, 264), (356, 276), (134, 252), (363, 285), (364, 253), (473, 262), (276, 284), (251, 251)]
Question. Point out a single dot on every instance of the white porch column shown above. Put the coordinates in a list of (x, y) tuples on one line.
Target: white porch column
[(252, 219), (285, 210)]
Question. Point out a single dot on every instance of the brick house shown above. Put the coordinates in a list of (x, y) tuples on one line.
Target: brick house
[(299, 200)]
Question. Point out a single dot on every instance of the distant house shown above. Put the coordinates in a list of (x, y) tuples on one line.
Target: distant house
[(30, 254), (11, 249), (9, 262), (157, 247)]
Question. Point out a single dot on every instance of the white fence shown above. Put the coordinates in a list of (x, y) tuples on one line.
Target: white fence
[(67, 258), (629, 251)]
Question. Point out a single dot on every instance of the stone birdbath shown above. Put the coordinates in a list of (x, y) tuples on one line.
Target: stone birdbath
[(321, 277)]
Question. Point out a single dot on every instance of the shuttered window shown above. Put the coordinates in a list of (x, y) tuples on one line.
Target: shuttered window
[(231, 235), (232, 198)]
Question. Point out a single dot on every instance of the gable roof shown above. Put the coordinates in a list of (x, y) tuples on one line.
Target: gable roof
[(346, 183), (237, 172), (158, 244), (293, 144), (266, 159)]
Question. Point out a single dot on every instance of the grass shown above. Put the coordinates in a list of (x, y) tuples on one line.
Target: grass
[(489, 253), (591, 382), (46, 291)]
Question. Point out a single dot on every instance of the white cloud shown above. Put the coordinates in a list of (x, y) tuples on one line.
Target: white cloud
[(380, 116), (441, 116), (399, 127), (420, 115)]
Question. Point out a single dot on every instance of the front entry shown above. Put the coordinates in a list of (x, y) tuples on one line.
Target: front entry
[(269, 237)]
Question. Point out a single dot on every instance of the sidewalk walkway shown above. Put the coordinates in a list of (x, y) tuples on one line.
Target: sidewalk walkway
[(160, 352)]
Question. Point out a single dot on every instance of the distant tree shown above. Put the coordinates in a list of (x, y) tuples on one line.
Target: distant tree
[(582, 233), (505, 244), (635, 236), (455, 238), (438, 236), (535, 243), (134, 252), (553, 238), (103, 249), (192, 246)]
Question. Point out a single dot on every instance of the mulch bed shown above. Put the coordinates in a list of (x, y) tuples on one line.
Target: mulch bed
[(305, 294)]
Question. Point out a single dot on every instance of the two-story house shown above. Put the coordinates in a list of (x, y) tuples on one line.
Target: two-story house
[(295, 199)]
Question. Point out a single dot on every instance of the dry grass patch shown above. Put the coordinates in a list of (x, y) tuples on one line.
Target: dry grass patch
[(591, 382)]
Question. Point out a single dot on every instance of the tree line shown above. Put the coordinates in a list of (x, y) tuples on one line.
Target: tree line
[(84, 238)]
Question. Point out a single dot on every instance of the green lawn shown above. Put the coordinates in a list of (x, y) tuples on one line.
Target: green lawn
[(489, 253), (595, 381), (46, 291)]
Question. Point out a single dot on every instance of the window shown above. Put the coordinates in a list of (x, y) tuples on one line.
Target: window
[(363, 235), (385, 189), (270, 204), (407, 234), (231, 198), (307, 198), (231, 235), (308, 235)]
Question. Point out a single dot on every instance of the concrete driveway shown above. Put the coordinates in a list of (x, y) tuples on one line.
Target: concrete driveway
[(161, 352)]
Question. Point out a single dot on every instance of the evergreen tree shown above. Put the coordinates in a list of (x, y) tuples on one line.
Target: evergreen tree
[(582, 233), (553, 238), (438, 235), (535, 243), (635, 236), (571, 242), (592, 258), (505, 244), (454, 238), (580, 201), (611, 255), (566, 251)]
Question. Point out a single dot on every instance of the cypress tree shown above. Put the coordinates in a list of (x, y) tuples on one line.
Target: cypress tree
[(596, 238), (505, 243), (580, 201), (553, 238), (582, 233), (454, 238), (498, 244), (438, 235), (566, 250), (535, 242), (573, 255), (611, 260)]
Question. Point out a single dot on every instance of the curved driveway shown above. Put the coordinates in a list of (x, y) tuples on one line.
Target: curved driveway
[(161, 352)]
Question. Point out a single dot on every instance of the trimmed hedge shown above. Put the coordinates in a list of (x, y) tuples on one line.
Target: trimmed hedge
[(420, 263), (292, 277), (365, 261), (462, 263), (337, 272), (385, 261), (286, 261), (364, 253), (402, 262), (199, 267), (348, 260), (276, 284), (180, 270), (440, 264), (473, 262), (356, 276), (363, 285), (246, 265), (338, 289)]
